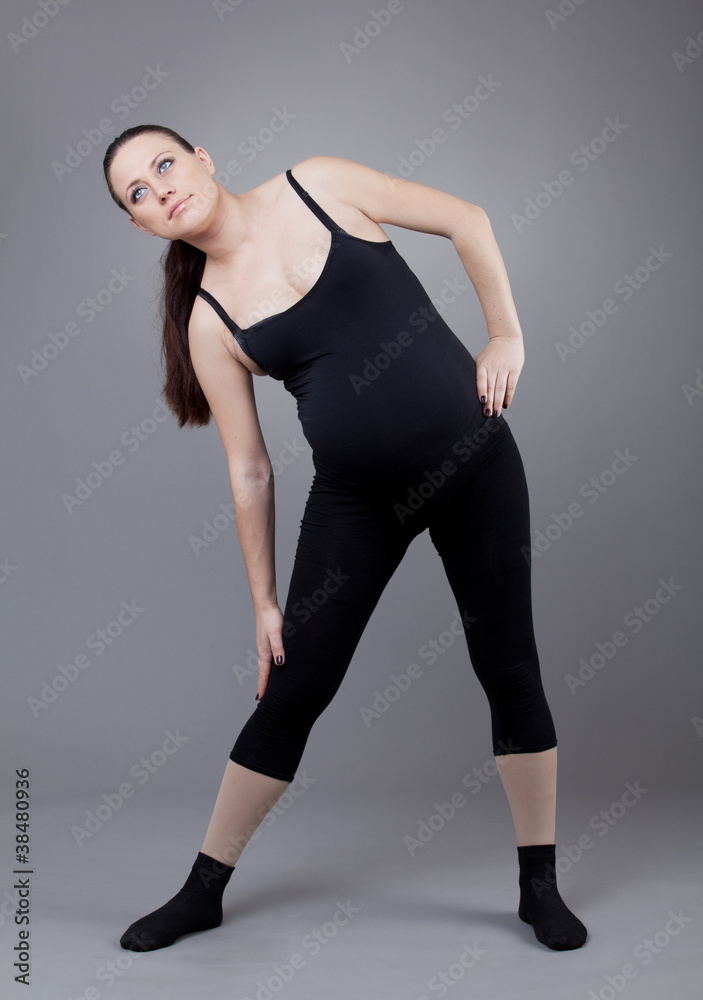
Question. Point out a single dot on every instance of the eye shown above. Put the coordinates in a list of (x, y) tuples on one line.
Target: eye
[(135, 197)]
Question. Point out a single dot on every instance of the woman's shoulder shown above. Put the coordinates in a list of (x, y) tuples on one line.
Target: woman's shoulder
[(325, 172), (320, 174)]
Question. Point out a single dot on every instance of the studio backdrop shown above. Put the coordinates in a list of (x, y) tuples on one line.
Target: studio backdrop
[(128, 624)]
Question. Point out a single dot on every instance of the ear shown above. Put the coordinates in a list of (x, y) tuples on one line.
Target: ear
[(204, 157), (149, 232)]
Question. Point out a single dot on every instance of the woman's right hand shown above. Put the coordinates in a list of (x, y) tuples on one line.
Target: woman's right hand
[(269, 643)]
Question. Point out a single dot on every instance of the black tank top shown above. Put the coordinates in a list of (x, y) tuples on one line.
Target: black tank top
[(383, 386)]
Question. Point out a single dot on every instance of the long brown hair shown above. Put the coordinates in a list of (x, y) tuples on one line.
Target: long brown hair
[(183, 267)]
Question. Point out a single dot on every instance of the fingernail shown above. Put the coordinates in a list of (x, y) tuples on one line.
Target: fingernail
[(487, 413), (279, 660), (257, 696), (483, 399), (495, 413)]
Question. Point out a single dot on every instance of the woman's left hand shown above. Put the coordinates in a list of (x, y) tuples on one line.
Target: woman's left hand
[(498, 368)]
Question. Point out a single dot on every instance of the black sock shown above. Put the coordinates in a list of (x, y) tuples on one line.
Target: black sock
[(540, 903), (196, 907)]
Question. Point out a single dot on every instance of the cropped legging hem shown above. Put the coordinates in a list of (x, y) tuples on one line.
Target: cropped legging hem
[(502, 750), (261, 769)]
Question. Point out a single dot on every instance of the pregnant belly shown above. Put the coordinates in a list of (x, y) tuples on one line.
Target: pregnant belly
[(389, 429)]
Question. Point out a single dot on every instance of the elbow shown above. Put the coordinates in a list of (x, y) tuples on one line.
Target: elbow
[(250, 479), (470, 222)]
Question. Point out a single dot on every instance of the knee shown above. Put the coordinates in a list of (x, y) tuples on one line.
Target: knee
[(291, 706), (516, 682)]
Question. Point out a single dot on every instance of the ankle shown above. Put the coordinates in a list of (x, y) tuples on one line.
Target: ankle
[(541, 904)]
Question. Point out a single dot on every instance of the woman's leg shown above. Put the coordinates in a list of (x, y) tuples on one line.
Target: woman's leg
[(530, 783), (483, 537), (347, 551), (244, 799)]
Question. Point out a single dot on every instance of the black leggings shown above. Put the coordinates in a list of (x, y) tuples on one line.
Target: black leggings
[(351, 542)]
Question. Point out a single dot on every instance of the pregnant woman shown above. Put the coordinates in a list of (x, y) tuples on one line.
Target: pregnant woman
[(296, 279)]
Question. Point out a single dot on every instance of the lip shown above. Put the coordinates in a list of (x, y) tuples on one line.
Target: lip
[(177, 206)]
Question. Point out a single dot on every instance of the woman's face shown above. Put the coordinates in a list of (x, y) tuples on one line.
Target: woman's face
[(168, 191)]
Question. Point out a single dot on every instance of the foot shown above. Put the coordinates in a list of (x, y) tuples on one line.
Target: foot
[(541, 904), (183, 914), (196, 907)]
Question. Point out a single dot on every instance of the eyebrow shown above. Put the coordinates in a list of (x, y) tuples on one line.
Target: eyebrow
[(130, 186)]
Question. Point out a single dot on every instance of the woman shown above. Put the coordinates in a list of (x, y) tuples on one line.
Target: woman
[(407, 434)]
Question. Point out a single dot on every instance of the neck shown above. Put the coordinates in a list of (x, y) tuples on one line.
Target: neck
[(228, 228)]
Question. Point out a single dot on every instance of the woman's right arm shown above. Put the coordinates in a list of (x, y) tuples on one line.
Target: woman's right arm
[(228, 388)]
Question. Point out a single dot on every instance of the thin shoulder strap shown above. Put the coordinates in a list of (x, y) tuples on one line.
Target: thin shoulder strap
[(219, 310), (313, 206)]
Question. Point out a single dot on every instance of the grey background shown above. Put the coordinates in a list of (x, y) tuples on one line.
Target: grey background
[(222, 78)]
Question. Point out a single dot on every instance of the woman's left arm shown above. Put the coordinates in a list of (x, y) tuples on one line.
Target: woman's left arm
[(405, 203)]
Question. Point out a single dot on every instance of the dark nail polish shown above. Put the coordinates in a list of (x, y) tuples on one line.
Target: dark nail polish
[(279, 660), (483, 399), (495, 413), (487, 413), (257, 696)]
